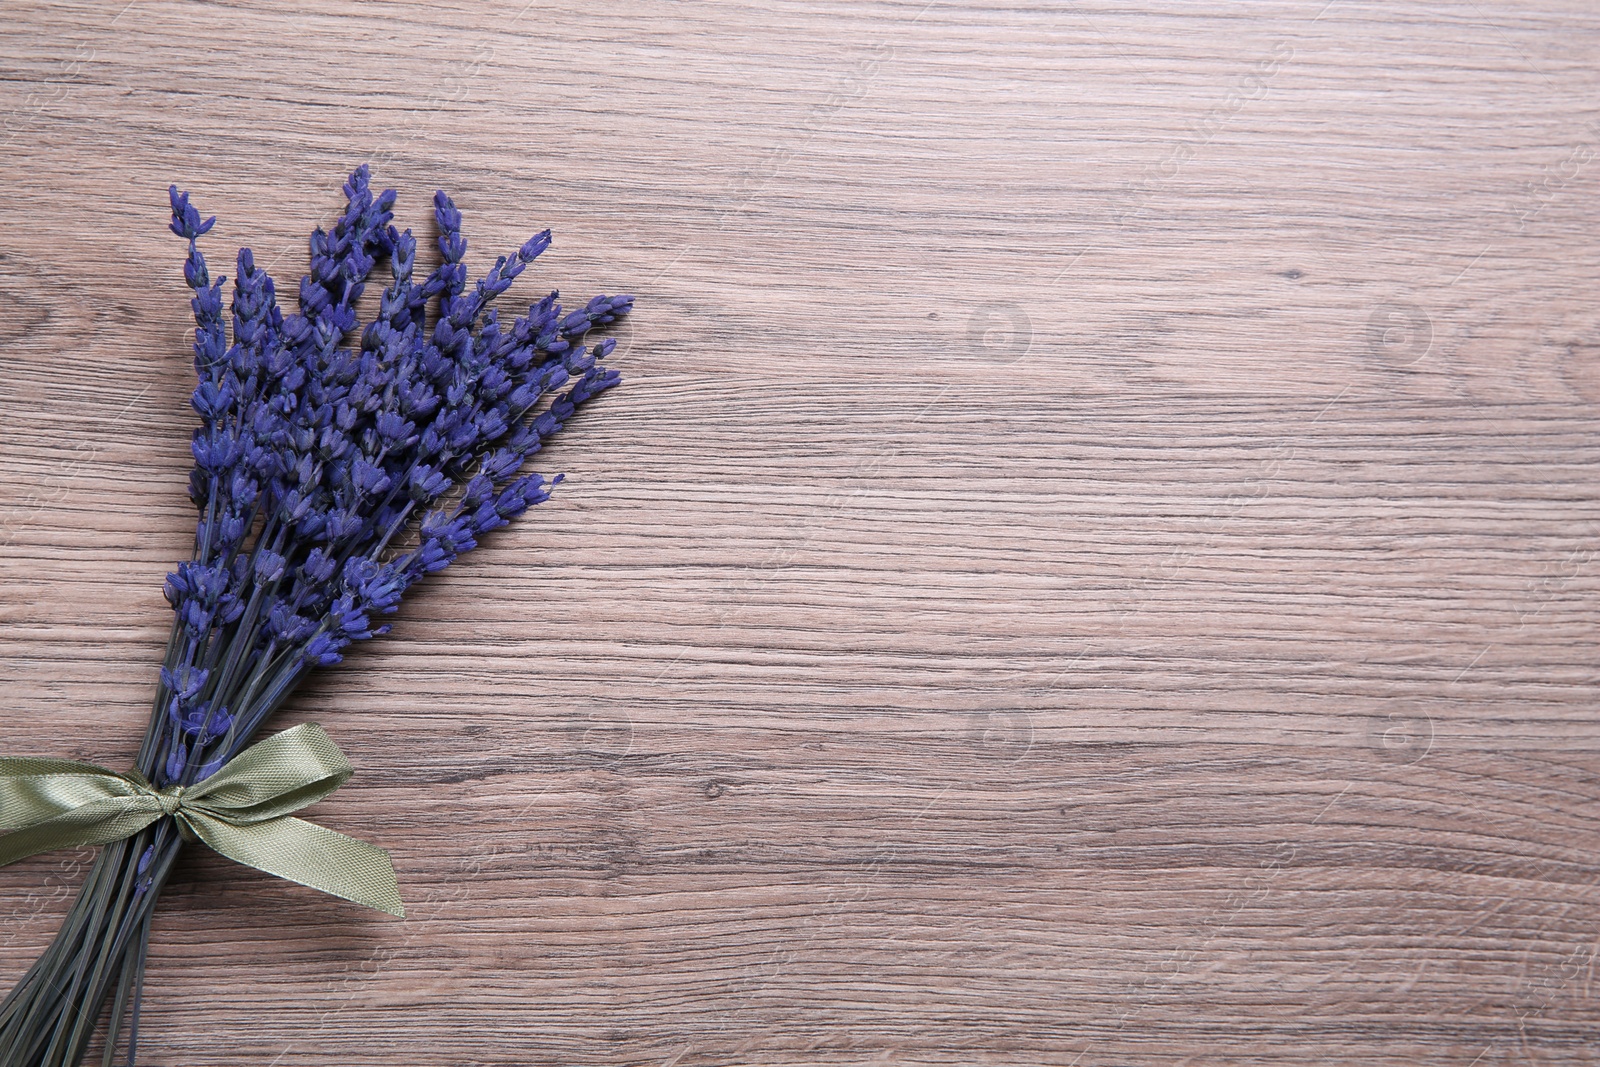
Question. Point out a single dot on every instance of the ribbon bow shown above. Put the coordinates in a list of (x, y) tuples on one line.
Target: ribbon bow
[(242, 811)]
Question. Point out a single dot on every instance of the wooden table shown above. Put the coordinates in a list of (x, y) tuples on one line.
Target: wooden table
[(1093, 561)]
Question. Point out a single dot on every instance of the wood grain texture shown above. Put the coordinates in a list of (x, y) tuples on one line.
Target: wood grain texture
[(1093, 561)]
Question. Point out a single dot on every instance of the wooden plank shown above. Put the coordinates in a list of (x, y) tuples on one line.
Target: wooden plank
[(1093, 561)]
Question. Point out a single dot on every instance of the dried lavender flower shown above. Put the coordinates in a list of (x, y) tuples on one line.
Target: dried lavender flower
[(336, 464)]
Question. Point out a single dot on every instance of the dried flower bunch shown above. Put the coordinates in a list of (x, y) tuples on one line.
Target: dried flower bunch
[(329, 477)]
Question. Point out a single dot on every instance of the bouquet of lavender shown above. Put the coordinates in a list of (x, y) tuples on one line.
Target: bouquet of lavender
[(329, 478)]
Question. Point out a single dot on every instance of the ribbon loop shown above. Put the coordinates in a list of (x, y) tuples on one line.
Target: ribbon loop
[(242, 811)]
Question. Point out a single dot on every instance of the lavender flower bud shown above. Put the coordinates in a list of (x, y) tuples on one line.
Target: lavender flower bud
[(211, 400), (322, 650), (215, 451), (535, 246), (185, 219), (451, 244), (369, 477), (288, 627), (176, 760), (501, 464), (268, 566), (393, 429), (520, 495), (343, 523), (185, 682), (431, 556), (426, 482), (317, 567), (486, 518), (349, 618), (216, 724), (196, 617), (478, 490)]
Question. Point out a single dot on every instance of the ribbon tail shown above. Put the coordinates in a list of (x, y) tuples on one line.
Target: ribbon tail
[(97, 823), (306, 853)]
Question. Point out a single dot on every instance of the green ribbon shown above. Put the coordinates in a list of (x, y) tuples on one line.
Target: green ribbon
[(242, 811)]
